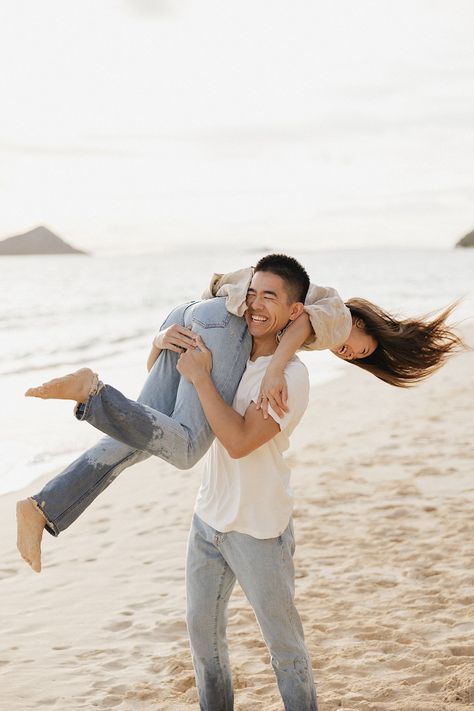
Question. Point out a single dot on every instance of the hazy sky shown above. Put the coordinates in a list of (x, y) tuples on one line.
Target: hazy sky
[(135, 124)]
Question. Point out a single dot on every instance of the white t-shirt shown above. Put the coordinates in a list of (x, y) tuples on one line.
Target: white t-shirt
[(252, 495)]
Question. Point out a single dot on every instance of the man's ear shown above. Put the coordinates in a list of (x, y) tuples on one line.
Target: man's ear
[(296, 310)]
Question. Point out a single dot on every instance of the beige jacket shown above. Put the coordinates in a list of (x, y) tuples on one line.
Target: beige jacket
[(330, 318)]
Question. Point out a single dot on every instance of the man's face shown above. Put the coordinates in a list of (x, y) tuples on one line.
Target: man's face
[(268, 307)]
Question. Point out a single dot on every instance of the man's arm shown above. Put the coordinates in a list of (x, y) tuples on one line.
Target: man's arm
[(239, 435)]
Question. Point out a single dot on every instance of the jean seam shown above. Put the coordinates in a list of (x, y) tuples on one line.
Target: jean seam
[(216, 651), (290, 603)]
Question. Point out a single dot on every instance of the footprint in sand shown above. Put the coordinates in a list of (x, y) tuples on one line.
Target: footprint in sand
[(148, 531), (118, 689), (110, 701), (429, 471), (378, 636), (184, 682), (400, 663), (91, 653), (7, 572), (141, 605), (142, 692), (171, 630), (146, 508), (118, 626), (467, 600), (115, 665), (462, 650)]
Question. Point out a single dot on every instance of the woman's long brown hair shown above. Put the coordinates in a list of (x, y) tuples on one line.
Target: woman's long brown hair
[(408, 350)]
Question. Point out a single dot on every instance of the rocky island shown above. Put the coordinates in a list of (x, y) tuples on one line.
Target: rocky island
[(466, 241), (40, 240)]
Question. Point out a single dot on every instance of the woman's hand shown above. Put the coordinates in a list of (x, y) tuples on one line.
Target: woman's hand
[(273, 392), (175, 338)]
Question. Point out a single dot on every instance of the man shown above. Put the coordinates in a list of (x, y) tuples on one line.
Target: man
[(242, 527), (167, 420)]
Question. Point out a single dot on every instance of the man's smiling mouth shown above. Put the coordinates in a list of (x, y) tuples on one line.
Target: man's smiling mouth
[(258, 319)]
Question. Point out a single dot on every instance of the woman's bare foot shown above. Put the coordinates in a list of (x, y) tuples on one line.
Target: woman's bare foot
[(30, 525), (75, 386)]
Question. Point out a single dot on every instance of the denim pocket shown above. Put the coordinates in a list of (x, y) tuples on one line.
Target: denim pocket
[(216, 324), (211, 314)]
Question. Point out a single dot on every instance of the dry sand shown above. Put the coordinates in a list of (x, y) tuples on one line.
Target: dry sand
[(385, 581)]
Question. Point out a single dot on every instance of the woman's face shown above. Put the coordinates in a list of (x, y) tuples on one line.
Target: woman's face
[(358, 345)]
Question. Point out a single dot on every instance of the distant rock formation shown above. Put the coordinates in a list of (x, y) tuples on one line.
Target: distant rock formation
[(37, 241), (466, 241)]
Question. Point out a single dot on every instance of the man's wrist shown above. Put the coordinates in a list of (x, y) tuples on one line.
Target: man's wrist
[(201, 378)]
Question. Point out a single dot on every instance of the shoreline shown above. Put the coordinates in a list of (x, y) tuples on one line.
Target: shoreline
[(384, 530)]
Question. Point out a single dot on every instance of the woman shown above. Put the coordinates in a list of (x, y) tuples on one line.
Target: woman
[(167, 420)]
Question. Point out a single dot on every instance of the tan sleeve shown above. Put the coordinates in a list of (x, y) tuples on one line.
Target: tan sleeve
[(330, 318), (233, 286)]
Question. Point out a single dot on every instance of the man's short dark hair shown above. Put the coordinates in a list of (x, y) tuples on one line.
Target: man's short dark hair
[(290, 270)]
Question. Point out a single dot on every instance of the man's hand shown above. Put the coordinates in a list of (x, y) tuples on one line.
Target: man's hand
[(195, 364)]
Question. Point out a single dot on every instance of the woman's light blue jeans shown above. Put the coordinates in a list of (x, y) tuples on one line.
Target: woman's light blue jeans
[(264, 569), (167, 420)]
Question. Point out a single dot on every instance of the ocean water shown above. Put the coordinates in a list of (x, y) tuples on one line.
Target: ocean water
[(59, 313)]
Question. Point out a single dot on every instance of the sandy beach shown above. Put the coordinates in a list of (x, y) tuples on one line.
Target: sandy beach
[(384, 522)]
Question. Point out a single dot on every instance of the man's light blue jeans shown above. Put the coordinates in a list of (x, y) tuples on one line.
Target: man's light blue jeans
[(167, 420), (264, 569)]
